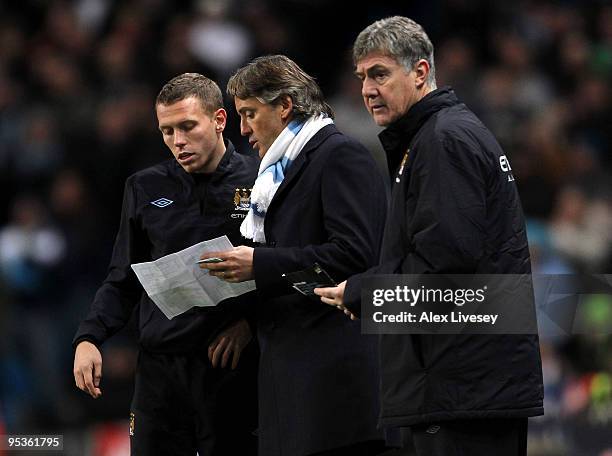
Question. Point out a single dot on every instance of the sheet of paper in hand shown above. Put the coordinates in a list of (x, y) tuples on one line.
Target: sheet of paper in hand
[(175, 282)]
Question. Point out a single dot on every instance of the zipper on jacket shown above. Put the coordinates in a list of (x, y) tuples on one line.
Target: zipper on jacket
[(202, 191)]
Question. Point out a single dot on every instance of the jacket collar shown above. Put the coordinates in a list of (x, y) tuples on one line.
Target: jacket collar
[(399, 134), (223, 167), (302, 159), (225, 164)]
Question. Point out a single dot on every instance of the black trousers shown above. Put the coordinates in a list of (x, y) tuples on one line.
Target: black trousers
[(182, 405), (499, 437), (368, 448)]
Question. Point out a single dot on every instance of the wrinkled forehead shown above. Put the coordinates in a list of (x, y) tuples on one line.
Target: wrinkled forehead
[(375, 58)]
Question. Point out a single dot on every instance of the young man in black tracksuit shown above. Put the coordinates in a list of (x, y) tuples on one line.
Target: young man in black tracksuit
[(187, 399), (454, 209)]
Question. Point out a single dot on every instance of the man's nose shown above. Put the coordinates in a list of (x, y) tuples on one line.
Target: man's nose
[(245, 130), (179, 139), (368, 88)]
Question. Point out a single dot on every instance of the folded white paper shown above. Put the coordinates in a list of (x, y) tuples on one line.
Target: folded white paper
[(175, 283)]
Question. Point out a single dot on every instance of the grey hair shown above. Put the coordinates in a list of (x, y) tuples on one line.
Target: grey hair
[(400, 38), (272, 77)]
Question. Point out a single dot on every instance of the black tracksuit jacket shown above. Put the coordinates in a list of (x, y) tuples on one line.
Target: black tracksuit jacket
[(454, 209), (202, 207)]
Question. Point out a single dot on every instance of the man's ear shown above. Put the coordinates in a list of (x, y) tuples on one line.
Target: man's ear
[(422, 72), (286, 108), (220, 118)]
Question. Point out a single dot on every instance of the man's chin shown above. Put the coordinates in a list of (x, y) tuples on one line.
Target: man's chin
[(189, 168), (381, 121)]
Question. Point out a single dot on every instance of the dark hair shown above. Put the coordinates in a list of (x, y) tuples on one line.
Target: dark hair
[(398, 37), (272, 77), (192, 85)]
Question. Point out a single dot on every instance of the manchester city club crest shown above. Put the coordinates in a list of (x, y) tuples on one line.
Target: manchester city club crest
[(242, 203), (242, 199)]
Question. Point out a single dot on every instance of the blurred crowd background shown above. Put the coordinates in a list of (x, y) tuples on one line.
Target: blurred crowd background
[(78, 81)]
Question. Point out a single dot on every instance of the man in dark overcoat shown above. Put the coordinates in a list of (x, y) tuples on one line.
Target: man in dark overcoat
[(319, 198)]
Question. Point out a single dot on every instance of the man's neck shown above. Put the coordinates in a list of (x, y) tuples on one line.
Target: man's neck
[(217, 155)]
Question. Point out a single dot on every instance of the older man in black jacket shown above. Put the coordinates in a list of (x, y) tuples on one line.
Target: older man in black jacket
[(455, 209), (319, 198)]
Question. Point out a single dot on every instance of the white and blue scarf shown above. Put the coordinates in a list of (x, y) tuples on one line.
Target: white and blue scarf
[(272, 169)]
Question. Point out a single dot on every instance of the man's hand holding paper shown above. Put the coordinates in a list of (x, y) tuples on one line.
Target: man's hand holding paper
[(237, 264)]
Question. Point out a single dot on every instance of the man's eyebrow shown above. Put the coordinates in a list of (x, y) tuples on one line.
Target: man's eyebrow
[(244, 109), (179, 124), (377, 67), (372, 69)]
